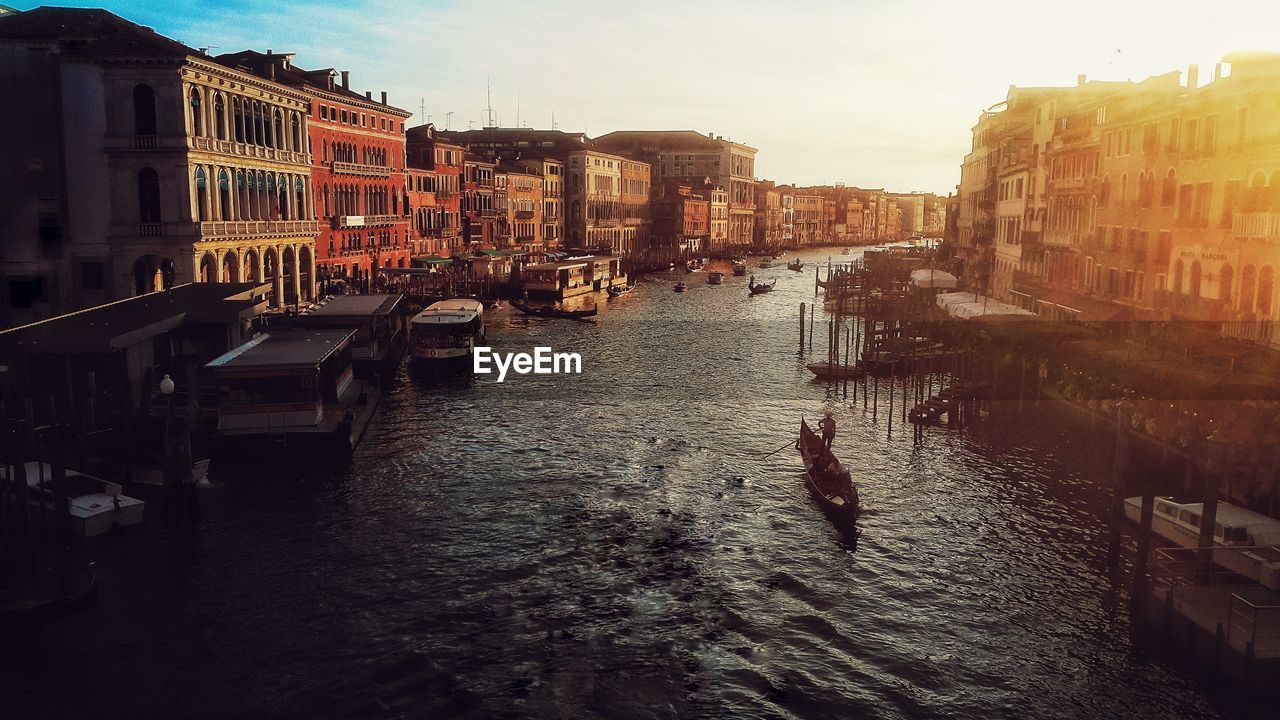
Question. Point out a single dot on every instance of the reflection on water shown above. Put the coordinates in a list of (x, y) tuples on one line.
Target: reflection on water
[(613, 543)]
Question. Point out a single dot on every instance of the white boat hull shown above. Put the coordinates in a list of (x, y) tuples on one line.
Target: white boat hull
[(1245, 560)]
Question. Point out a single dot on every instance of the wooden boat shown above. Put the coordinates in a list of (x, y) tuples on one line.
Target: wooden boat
[(827, 371), (694, 266), (20, 614), (796, 265), (846, 251), (552, 312), (614, 291), (766, 264), (715, 278), (740, 269), (760, 288), (680, 287), (1245, 542), (837, 496)]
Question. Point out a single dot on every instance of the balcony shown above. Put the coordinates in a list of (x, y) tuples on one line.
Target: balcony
[(1255, 224), (354, 221), (219, 229), (524, 214), (346, 168), (231, 147), (1197, 308), (1073, 183)]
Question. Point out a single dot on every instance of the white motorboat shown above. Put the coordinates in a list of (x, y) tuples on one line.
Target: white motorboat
[(96, 505), (1250, 539)]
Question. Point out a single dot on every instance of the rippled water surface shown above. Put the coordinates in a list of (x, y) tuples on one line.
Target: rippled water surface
[(613, 544)]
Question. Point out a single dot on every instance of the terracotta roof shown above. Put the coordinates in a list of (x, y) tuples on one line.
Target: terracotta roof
[(655, 140), (286, 73), (88, 31)]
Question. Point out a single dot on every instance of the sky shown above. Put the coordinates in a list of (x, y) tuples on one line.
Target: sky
[(878, 93)]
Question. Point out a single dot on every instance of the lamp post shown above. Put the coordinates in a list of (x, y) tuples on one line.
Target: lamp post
[(166, 389)]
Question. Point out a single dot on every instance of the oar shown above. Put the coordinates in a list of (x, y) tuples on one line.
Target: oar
[(784, 447)]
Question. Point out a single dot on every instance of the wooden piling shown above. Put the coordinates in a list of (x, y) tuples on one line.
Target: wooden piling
[(801, 327)]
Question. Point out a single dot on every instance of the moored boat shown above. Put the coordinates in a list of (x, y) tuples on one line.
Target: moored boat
[(739, 269), (827, 371), (1249, 541), (96, 505), (447, 330), (680, 287), (20, 614), (766, 264), (827, 481), (614, 291), (715, 278), (758, 288), (550, 311)]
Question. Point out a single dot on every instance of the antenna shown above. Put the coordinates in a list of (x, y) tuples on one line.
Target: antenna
[(553, 120), (517, 108), (422, 109), (448, 118), (488, 95)]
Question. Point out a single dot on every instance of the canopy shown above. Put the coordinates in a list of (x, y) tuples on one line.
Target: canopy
[(929, 278), (967, 305)]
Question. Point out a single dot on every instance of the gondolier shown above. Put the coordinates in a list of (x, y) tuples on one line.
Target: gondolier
[(828, 426)]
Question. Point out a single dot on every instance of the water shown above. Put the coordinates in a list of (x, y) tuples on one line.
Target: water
[(612, 544)]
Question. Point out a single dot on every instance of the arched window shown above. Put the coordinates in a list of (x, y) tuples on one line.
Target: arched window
[(202, 203), (1255, 196), (219, 117), (1105, 195), (1247, 279), (1195, 279), (237, 116), (1225, 277), (224, 195), (1169, 189), (1177, 277), (144, 110), (300, 198), (277, 130), (197, 115), (1266, 287), (148, 195), (296, 130)]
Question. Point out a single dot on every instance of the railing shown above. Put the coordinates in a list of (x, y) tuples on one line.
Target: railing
[(524, 214), (1204, 308), (347, 168), (150, 229), (1253, 628), (231, 147), (246, 228), (1256, 224)]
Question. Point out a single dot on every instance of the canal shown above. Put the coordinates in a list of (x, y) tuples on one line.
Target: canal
[(613, 544)]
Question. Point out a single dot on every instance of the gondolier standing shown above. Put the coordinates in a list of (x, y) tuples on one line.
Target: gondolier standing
[(828, 426)]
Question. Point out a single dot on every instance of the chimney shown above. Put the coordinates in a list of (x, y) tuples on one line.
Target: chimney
[(1193, 76), (1081, 79), (368, 94), (346, 79), (268, 52), (384, 97)]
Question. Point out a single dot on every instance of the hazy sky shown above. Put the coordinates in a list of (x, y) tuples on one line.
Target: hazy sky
[(871, 93)]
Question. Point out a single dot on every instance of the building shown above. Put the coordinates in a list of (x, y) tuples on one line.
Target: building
[(524, 209), (425, 213), (808, 219), (787, 200), (479, 217), (425, 150), (358, 168), (552, 173), (681, 220), (637, 180), (692, 158), (768, 221), (145, 164), (718, 208), (593, 194)]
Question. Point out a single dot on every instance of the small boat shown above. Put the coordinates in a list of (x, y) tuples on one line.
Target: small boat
[(834, 492), (96, 506), (760, 288), (715, 278), (796, 265), (446, 331), (694, 266), (766, 264), (549, 311), (1248, 543), (846, 251), (20, 614), (779, 254), (680, 287), (614, 291), (739, 269), (827, 371)]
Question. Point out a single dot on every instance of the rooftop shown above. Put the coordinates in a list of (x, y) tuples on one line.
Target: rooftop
[(657, 140), (116, 326), (343, 306), (284, 348)]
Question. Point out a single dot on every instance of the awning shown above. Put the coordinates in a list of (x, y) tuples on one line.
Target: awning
[(930, 278), (433, 260), (1085, 308), (965, 305)]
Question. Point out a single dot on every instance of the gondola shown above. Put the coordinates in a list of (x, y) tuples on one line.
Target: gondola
[(739, 269), (715, 278), (551, 312), (614, 292), (760, 288), (796, 265), (837, 497), (20, 614)]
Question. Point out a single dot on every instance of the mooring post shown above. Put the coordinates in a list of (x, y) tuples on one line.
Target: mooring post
[(1139, 593), (1208, 516), (802, 327)]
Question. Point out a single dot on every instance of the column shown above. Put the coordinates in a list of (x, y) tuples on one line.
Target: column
[(296, 280)]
